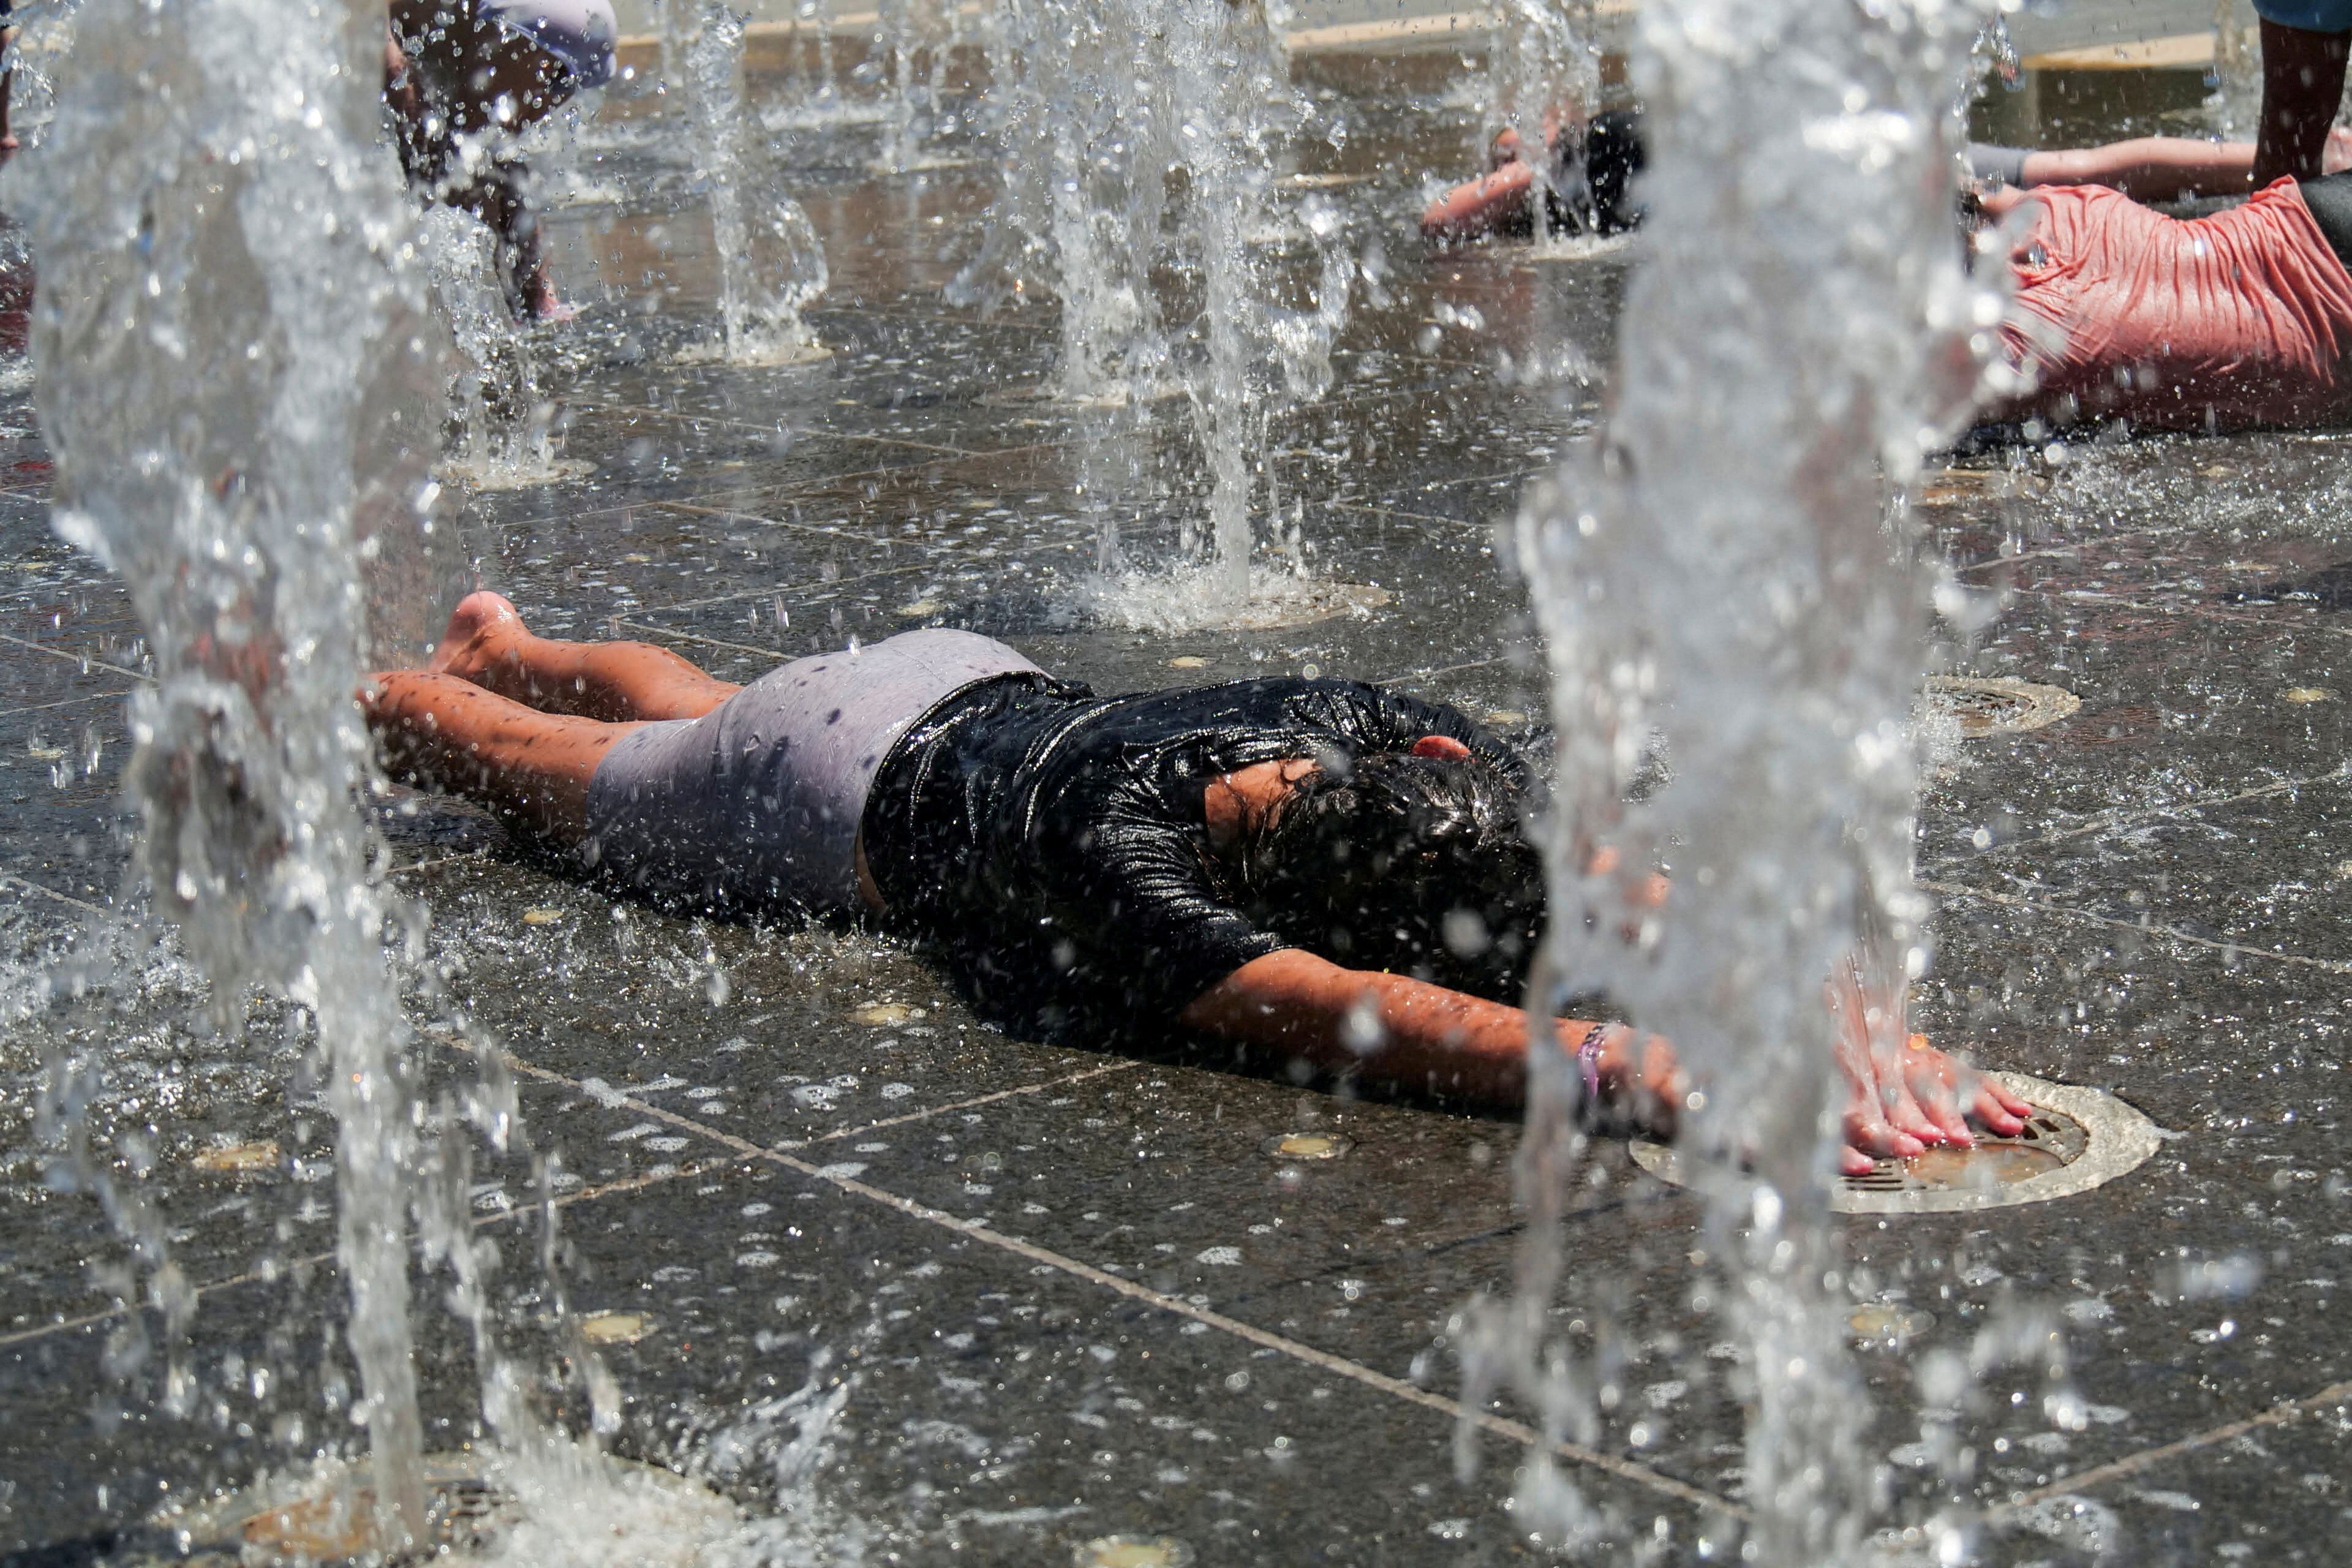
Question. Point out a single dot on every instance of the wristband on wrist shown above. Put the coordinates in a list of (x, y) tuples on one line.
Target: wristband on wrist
[(1588, 1060)]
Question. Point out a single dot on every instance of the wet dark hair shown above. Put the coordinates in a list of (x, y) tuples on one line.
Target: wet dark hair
[(1414, 864)]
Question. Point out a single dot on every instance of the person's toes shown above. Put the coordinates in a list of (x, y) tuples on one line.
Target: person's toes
[(1853, 1161), (480, 619)]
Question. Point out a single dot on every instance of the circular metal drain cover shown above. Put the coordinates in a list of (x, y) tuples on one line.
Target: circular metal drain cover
[(2000, 704), (1134, 1552), (1308, 1145), (325, 1519), (495, 476), (1958, 486), (2078, 1139), (1887, 1323)]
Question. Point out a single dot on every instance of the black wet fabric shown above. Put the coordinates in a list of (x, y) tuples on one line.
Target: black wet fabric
[(2329, 197), (1592, 184), (1052, 843)]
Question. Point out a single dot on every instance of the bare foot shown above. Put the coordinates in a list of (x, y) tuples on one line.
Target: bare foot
[(482, 632)]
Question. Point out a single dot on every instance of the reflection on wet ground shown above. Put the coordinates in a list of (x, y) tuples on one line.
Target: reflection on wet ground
[(1081, 1295)]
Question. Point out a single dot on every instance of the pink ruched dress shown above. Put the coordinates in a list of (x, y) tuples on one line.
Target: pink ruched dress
[(2240, 318)]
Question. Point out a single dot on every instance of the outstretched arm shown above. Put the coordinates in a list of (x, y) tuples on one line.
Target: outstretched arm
[(1496, 203), (1408, 1034)]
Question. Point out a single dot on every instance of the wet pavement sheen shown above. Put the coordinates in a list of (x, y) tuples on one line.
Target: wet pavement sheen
[(1072, 1292)]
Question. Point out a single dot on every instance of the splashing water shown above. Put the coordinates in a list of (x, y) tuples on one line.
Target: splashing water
[(1143, 137), (1723, 569), (1084, 197), (910, 30), (210, 211), (1543, 81), (771, 265), (2237, 99), (504, 419)]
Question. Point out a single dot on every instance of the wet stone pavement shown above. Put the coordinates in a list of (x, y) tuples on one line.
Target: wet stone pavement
[(1073, 1293)]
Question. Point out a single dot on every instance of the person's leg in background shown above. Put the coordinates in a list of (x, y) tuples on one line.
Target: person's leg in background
[(7, 81), (486, 71), (2305, 43)]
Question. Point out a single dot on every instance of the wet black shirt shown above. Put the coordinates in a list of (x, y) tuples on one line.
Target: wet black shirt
[(1053, 844)]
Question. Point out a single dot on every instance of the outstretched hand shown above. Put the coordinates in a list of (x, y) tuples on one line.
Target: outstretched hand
[(1903, 1100)]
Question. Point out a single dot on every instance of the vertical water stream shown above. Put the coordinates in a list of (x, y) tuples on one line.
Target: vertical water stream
[(1723, 571), (1139, 138), (771, 264), (221, 301)]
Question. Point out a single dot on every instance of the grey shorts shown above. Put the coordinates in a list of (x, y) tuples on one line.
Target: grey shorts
[(1998, 165), (758, 803)]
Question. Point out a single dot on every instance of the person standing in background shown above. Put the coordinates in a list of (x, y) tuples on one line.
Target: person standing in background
[(464, 79), (2304, 44)]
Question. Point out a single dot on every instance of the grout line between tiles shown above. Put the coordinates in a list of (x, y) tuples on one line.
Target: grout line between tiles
[(10, 880), (665, 634), (252, 1276), (1442, 669), (2197, 612), (1325, 1360), (2170, 933), (682, 416), (744, 595), (436, 862), (696, 509), (83, 659), (2336, 1394), (614, 1188), (63, 702), (2104, 821), (1478, 526), (2000, 560)]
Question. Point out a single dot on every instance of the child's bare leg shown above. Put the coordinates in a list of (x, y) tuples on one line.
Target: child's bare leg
[(617, 682), (443, 732)]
